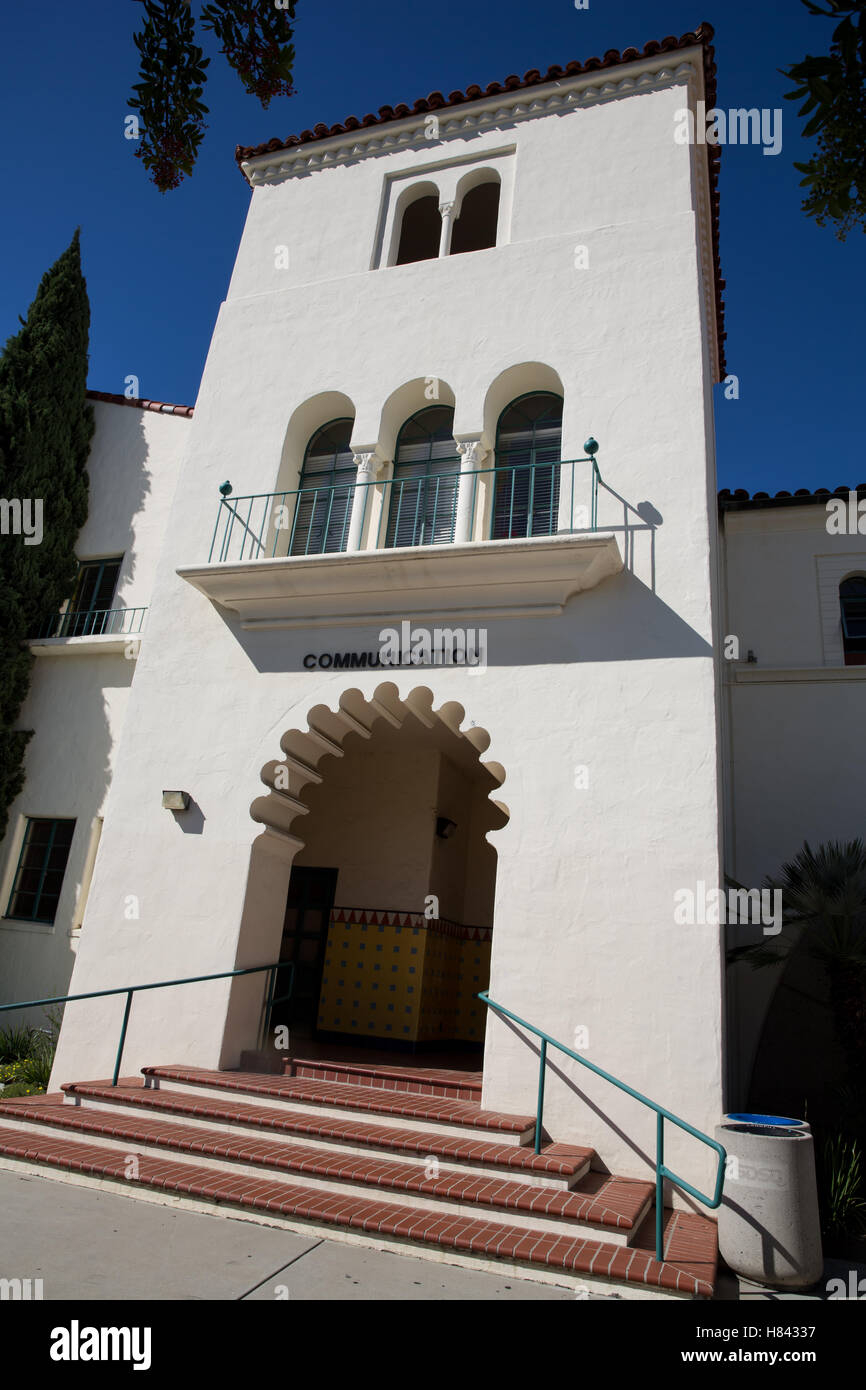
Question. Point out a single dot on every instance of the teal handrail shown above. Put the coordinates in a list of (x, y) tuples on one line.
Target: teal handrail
[(130, 990), (93, 622), (250, 527), (661, 1115)]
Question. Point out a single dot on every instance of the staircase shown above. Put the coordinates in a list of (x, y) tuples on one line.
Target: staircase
[(398, 1158)]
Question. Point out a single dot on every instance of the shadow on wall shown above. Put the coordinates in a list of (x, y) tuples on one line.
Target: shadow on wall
[(76, 740), (621, 620), (799, 1065)]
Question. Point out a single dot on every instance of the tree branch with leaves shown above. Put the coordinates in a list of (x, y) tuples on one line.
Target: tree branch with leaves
[(255, 40), (833, 91)]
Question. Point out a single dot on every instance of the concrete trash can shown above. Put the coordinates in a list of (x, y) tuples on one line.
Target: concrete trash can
[(769, 1225)]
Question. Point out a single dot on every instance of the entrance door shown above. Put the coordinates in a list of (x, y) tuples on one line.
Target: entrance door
[(305, 932)]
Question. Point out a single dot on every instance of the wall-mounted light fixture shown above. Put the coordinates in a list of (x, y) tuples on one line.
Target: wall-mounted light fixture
[(176, 801), (445, 828)]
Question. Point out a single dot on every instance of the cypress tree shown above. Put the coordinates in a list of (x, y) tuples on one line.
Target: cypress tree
[(46, 425)]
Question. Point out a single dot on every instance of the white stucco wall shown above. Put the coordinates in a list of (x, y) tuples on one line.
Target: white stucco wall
[(623, 681), (76, 704)]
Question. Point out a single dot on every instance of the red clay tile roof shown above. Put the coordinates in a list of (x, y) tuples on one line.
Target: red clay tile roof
[(742, 500), (161, 406), (436, 102)]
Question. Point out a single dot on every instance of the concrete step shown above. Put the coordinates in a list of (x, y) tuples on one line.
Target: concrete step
[(687, 1271), (605, 1207), (427, 1081), (441, 1114), (559, 1166)]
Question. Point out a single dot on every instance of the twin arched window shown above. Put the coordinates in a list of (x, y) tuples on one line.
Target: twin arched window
[(525, 499), (474, 230)]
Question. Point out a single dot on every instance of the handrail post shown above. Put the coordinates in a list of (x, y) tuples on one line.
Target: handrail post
[(129, 995), (660, 1183), (540, 1110)]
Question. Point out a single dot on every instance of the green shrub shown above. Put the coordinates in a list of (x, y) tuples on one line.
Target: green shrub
[(842, 1188), (16, 1041), (36, 1069), (17, 1088)]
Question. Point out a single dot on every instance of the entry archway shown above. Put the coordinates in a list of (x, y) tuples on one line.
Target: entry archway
[(386, 799)]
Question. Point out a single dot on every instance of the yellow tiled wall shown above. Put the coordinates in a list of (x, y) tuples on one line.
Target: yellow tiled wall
[(397, 976)]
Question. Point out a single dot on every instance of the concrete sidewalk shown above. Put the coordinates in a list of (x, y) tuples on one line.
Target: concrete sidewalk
[(85, 1244)]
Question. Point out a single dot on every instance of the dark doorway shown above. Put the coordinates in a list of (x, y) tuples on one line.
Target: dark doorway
[(305, 932)]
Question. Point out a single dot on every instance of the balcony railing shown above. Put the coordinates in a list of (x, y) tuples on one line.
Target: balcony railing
[(98, 622), (504, 503)]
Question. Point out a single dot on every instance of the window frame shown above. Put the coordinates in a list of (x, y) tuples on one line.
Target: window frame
[(853, 645), (331, 485), (35, 917), (391, 541), (500, 469)]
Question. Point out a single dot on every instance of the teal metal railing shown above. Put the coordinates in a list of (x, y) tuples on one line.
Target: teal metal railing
[(130, 990), (662, 1114), (524, 499), (96, 622)]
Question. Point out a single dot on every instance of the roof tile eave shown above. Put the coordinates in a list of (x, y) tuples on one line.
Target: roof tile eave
[(435, 101), (741, 500), (162, 407)]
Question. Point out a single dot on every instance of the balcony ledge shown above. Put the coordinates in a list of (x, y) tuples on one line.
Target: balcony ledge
[(499, 579), (96, 644)]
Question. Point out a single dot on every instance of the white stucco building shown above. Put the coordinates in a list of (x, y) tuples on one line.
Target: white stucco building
[(431, 312)]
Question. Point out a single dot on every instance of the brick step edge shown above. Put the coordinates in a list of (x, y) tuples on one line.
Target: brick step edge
[(555, 1160), (617, 1203), (427, 1081), (311, 1091), (692, 1276)]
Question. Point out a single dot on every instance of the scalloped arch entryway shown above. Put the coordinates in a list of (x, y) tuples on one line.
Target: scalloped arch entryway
[(413, 757)]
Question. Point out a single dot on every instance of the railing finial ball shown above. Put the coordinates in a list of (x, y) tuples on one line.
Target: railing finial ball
[(591, 446), (225, 489)]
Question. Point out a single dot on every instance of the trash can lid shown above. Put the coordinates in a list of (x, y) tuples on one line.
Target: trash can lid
[(765, 1121), (774, 1131)]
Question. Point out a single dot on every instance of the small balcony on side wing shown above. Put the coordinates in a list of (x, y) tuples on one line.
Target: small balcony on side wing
[(96, 631)]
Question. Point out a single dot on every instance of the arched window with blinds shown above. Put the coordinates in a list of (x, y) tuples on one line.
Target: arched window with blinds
[(325, 492), (852, 601), (423, 501), (528, 452)]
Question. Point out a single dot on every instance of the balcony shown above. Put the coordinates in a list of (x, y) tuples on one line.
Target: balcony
[(518, 502), (100, 630), (501, 541)]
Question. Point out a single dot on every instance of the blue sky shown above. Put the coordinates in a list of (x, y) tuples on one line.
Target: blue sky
[(158, 266)]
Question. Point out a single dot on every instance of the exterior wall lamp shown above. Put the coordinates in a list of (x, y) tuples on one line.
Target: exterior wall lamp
[(176, 801), (445, 828)]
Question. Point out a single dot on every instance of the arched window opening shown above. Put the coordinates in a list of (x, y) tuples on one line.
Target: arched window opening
[(325, 491), (420, 231), (475, 228), (528, 451), (852, 601), (426, 476)]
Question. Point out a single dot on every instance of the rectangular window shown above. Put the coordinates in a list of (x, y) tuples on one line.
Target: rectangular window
[(39, 876), (92, 601)]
